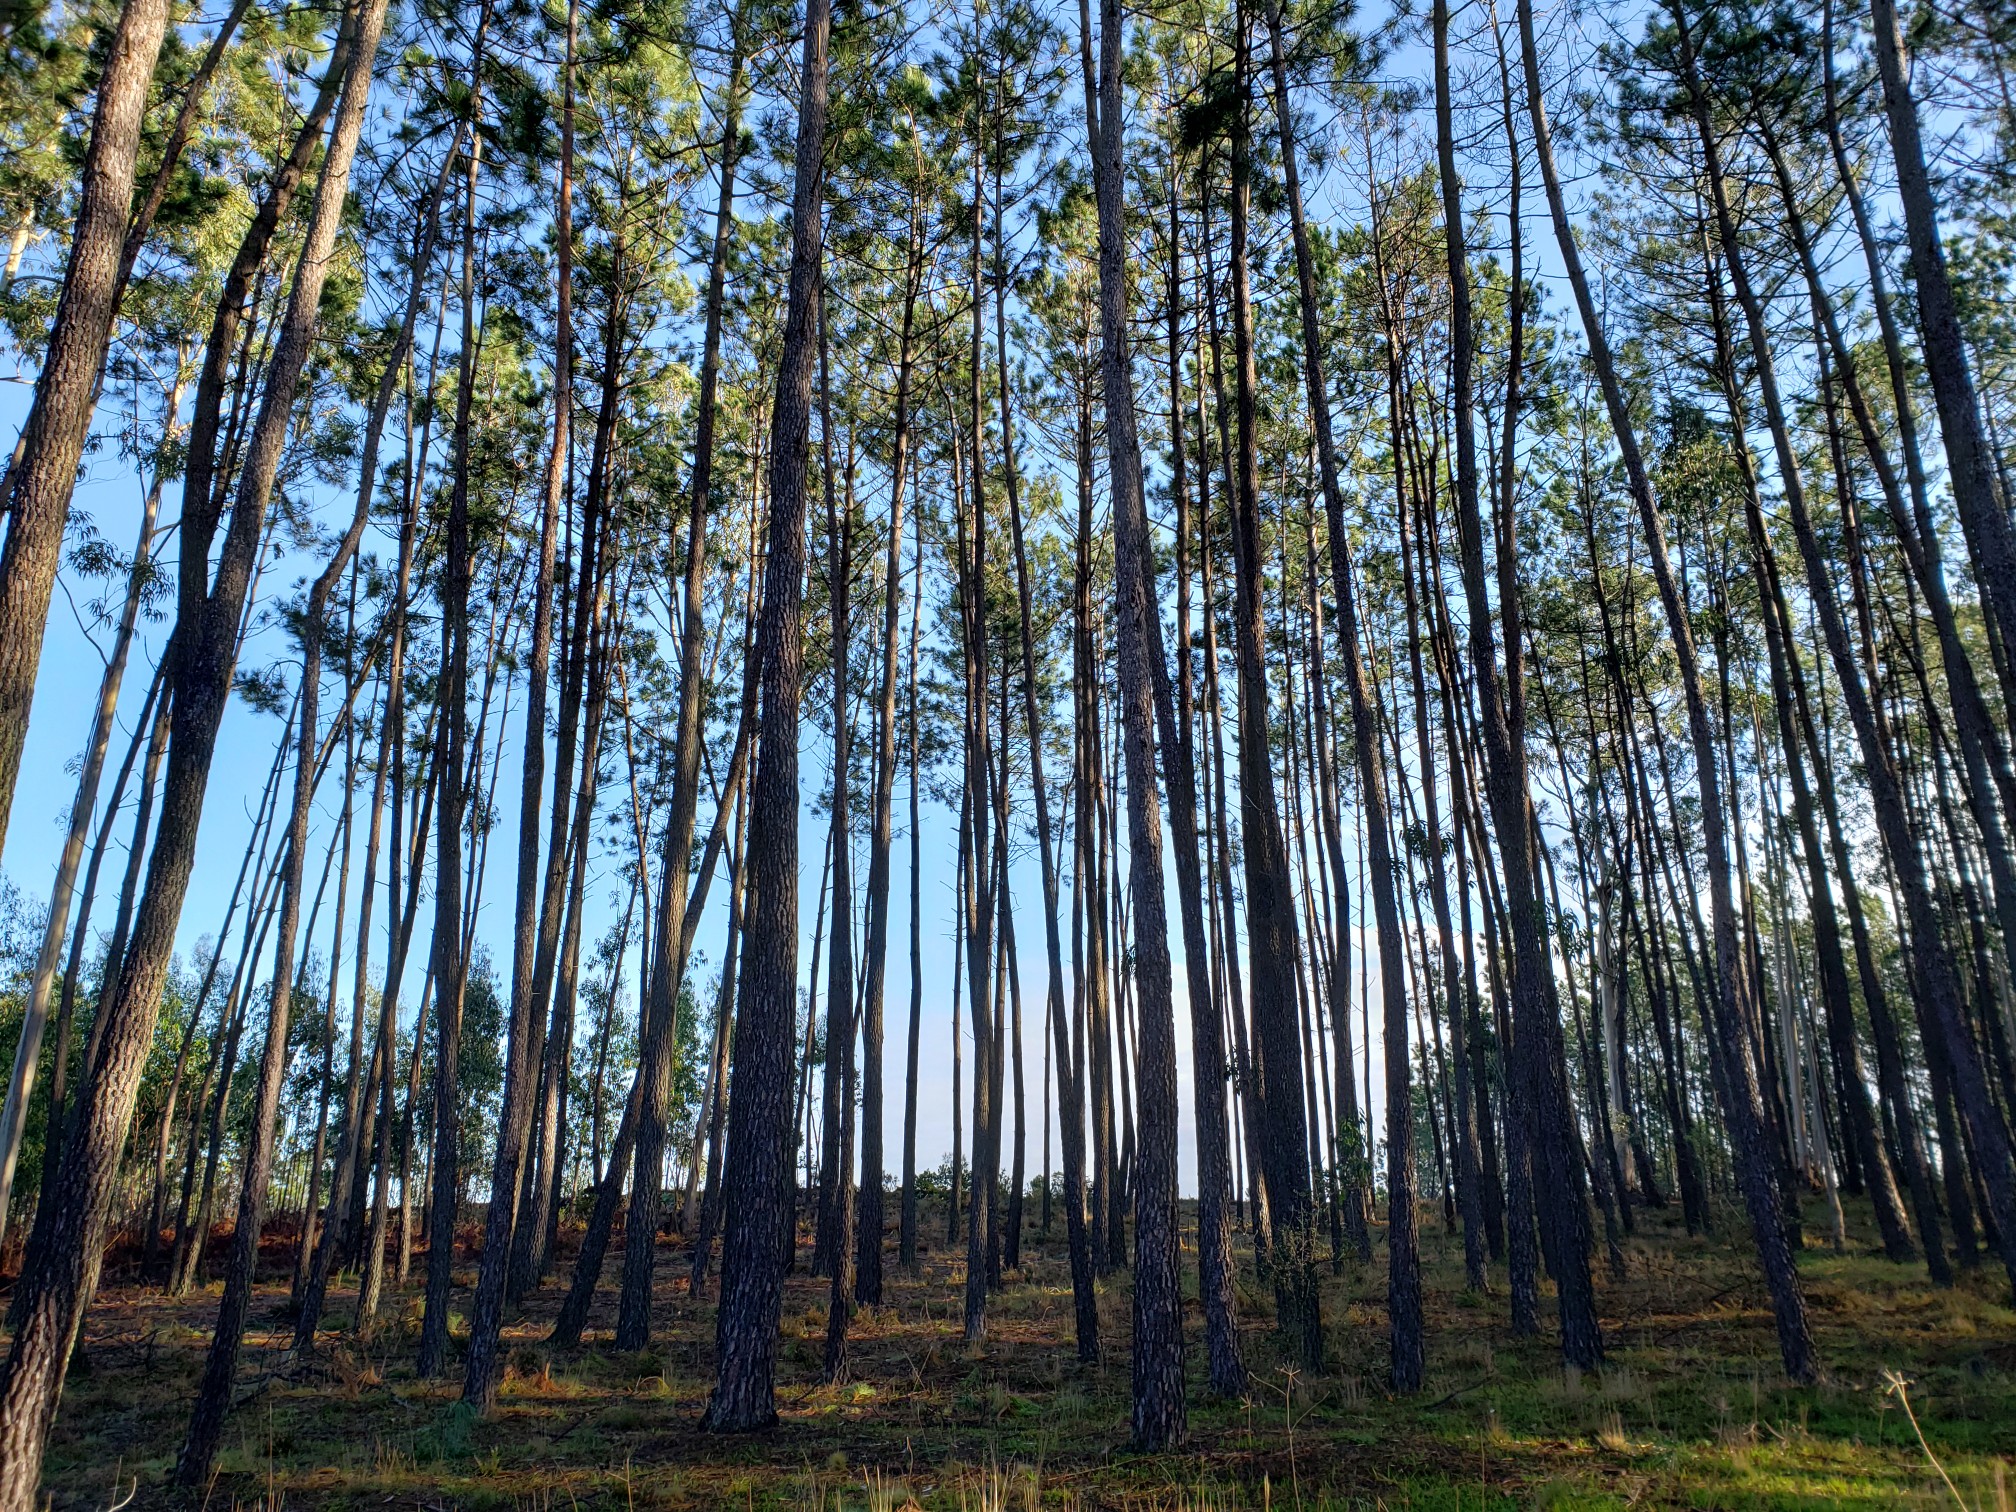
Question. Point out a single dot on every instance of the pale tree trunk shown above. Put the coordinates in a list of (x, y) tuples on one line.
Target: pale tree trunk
[(304, 1247), (1415, 573), (842, 1025), (906, 1243), (541, 1196), (573, 1316), (255, 843), (400, 912), (709, 1219), (869, 1221), (978, 868)]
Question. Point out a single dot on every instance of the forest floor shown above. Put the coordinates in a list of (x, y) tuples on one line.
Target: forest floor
[(1690, 1410)]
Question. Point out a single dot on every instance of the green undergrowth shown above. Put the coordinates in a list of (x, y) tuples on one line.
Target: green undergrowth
[(1689, 1410)]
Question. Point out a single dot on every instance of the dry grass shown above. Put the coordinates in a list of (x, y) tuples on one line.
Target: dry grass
[(1690, 1409)]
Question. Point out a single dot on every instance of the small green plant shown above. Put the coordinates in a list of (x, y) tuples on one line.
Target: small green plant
[(449, 1436)]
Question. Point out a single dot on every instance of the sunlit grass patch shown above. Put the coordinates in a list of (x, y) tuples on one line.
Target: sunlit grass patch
[(1689, 1409)]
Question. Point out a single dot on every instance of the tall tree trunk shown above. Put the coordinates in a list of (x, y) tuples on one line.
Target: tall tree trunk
[(255, 843), (40, 483), (1743, 1106), (1538, 1063), (759, 1107), (1864, 1126), (400, 910), (204, 649), (1160, 1421), (1970, 463), (656, 1068), (1270, 905), (1985, 760), (304, 1248), (481, 1367), (540, 1196), (869, 1222), (1417, 555), (1174, 726), (842, 1028), (1937, 980), (451, 966), (717, 1109), (35, 1016), (907, 1223), (1376, 826), (310, 1311)]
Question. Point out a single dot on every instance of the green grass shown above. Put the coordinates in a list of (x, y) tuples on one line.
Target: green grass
[(1690, 1410)]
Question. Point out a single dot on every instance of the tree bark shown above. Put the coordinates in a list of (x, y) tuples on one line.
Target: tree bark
[(43, 478), (1159, 1416), (869, 1221), (35, 1016), (1207, 1039), (759, 1108), (1972, 474), (1743, 1106), (204, 648), (1937, 980), (655, 1069), (1537, 1062), (481, 1367), (450, 963), (1376, 826)]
